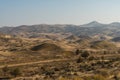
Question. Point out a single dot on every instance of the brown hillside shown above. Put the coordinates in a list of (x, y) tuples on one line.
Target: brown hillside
[(46, 47)]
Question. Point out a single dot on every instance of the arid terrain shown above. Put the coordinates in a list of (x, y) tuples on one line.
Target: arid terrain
[(60, 52)]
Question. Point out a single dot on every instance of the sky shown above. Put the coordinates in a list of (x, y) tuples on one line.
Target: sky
[(30, 12)]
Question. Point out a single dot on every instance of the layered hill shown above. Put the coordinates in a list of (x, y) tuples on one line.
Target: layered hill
[(46, 47), (90, 29), (104, 45)]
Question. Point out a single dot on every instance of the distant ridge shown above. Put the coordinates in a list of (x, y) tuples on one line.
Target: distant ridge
[(89, 29), (116, 39)]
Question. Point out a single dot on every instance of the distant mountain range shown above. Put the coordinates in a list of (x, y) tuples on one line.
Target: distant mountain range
[(90, 29)]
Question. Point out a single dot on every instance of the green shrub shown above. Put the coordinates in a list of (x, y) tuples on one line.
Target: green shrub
[(16, 72), (77, 52), (5, 70), (79, 60), (85, 54)]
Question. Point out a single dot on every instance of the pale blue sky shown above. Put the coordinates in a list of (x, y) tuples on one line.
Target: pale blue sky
[(28, 12)]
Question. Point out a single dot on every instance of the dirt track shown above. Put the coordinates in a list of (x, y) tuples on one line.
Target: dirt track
[(30, 63)]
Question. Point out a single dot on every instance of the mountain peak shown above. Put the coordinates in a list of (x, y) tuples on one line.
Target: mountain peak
[(94, 22), (115, 23)]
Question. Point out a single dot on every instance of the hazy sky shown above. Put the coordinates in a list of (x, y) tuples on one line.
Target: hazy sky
[(27, 12)]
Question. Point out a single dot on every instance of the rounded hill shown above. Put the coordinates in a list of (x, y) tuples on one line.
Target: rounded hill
[(46, 47), (103, 45)]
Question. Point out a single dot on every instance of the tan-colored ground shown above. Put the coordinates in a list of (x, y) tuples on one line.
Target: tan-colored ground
[(54, 59)]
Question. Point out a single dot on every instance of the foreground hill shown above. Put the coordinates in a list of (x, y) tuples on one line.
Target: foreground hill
[(47, 47)]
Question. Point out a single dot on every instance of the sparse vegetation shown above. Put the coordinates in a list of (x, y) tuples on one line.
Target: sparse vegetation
[(85, 54), (78, 55), (5, 70), (15, 72), (77, 52)]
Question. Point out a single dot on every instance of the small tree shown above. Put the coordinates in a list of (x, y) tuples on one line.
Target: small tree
[(79, 60), (5, 70), (77, 52), (85, 54), (15, 72)]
